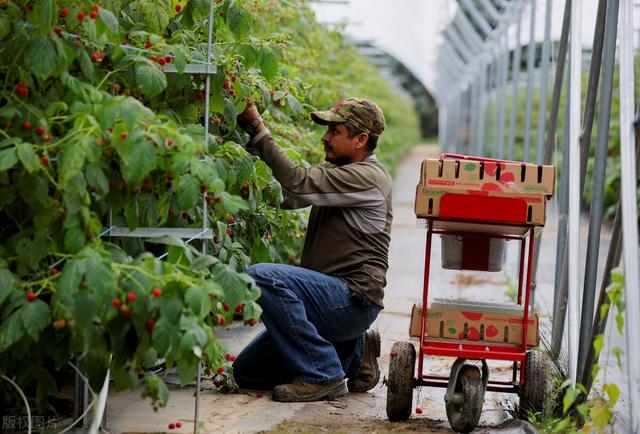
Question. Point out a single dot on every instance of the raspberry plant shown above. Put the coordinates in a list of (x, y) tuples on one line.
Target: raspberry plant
[(92, 128)]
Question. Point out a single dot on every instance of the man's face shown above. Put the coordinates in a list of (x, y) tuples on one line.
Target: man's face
[(340, 149)]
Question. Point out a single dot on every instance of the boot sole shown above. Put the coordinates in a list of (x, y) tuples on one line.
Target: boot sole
[(334, 392)]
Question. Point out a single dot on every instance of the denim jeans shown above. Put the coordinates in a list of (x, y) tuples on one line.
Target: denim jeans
[(314, 329)]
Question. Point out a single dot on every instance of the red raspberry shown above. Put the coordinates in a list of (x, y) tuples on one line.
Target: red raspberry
[(178, 8), (178, 424), (58, 30), (64, 12), (40, 131), (80, 16), (172, 425), (44, 160), (31, 296), (150, 325), (26, 125), (53, 272), (220, 370), (156, 292), (131, 296), (93, 15), (116, 303)]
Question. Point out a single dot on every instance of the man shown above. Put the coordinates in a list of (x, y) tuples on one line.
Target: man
[(317, 316)]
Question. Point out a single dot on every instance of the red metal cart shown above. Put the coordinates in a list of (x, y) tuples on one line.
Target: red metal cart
[(467, 383)]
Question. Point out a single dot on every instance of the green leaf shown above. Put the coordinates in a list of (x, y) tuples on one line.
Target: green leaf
[(570, 396), (42, 57), (238, 20), (195, 299), (124, 379), (110, 20), (249, 54), (44, 13), (11, 330), (96, 178), (294, 104), (86, 65), (74, 238), (232, 203), (161, 337), (100, 276), (268, 65), (189, 192), (230, 112), (8, 158), (71, 277), (72, 83), (84, 310), (233, 283), (71, 161), (139, 162), (5, 26), (7, 284), (598, 343), (35, 317), (150, 79), (620, 323), (613, 392), (617, 352), (28, 157)]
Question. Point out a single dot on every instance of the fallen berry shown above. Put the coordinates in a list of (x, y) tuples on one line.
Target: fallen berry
[(150, 325), (393, 354), (45, 160), (116, 303), (172, 425), (53, 272), (26, 125), (178, 424), (418, 410), (178, 8), (131, 296), (220, 369), (80, 16), (31, 296), (156, 292)]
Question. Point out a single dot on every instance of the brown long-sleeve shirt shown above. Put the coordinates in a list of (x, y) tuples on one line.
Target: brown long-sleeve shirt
[(350, 223)]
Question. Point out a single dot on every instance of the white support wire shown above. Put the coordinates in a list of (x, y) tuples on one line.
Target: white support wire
[(573, 229), (24, 398), (629, 210)]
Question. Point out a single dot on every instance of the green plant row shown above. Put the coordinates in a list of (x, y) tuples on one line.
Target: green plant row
[(94, 132)]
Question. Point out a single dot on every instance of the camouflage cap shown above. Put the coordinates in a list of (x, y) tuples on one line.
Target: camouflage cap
[(361, 113)]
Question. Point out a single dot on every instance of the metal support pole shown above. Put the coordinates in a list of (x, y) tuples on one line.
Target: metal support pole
[(530, 65), (573, 227), (557, 86), (515, 81), (544, 66), (502, 94), (476, 16), (560, 284), (482, 127), (604, 35), (629, 211)]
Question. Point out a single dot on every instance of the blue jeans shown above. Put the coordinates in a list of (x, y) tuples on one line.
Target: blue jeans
[(314, 329)]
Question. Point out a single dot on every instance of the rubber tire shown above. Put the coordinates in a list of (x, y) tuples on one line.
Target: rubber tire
[(401, 381), (537, 388), (465, 415)]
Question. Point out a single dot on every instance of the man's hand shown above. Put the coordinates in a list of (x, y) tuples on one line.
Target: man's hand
[(250, 120), (249, 114)]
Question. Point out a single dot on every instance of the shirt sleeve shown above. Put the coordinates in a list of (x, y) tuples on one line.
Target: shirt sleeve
[(351, 185)]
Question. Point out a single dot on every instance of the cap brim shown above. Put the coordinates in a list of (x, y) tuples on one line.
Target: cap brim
[(324, 118)]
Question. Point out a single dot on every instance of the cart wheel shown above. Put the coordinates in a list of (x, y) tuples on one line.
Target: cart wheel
[(536, 390), (463, 411), (401, 381)]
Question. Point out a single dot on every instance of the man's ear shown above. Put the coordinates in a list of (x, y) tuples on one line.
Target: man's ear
[(363, 138)]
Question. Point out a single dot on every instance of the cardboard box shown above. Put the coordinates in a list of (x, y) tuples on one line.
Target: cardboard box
[(489, 175), (495, 206), (472, 323)]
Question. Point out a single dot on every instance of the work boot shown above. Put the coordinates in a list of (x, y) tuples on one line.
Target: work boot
[(299, 391), (369, 371)]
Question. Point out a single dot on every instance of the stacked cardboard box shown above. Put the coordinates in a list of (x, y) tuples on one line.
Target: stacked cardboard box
[(471, 188), (474, 322)]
